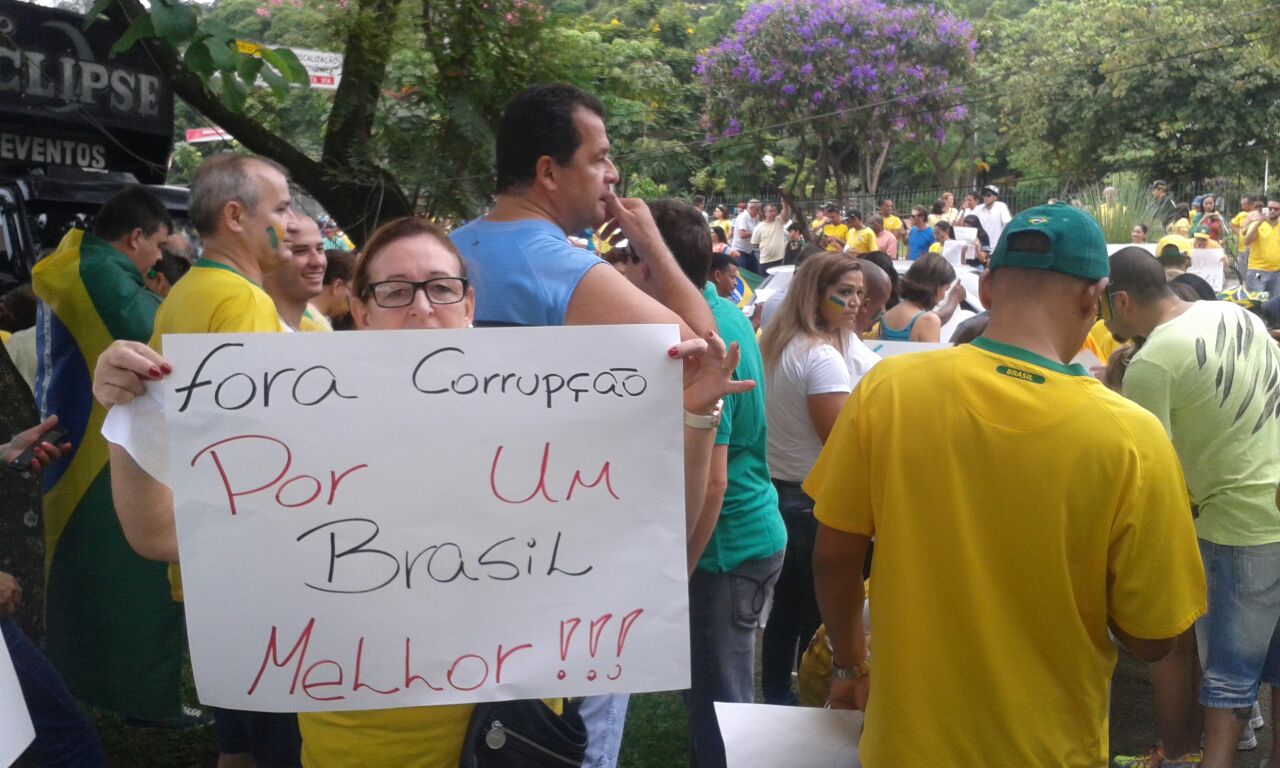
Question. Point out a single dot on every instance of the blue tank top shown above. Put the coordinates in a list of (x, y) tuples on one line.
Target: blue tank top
[(889, 334), (524, 272)]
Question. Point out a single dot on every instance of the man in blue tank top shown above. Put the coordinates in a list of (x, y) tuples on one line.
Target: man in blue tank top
[(555, 177)]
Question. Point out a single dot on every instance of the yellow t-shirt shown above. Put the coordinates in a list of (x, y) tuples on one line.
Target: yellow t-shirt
[(892, 223), (314, 320), (1032, 509), (1237, 221), (212, 298), (1101, 343), (838, 231), (861, 240), (1264, 254), (414, 737)]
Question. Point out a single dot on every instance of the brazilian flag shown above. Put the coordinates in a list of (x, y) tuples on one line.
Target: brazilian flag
[(744, 289), (113, 630)]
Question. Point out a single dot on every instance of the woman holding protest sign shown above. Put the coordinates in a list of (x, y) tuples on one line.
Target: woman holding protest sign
[(812, 360), (410, 276)]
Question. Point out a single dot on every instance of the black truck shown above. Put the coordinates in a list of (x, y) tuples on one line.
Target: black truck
[(76, 124)]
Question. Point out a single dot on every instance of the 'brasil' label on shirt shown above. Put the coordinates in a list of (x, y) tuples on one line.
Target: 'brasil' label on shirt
[(1018, 373)]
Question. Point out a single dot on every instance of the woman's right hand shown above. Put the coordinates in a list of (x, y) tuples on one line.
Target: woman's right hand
[(708, 372), (122, 369)]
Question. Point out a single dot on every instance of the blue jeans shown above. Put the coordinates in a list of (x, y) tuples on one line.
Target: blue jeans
[(794, 617), (724, 611), (604, 716), (1239, 633), (65, 735), (1259, 280)]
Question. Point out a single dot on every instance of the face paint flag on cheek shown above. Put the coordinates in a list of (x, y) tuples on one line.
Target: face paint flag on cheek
[(273, 237), (839, 302)]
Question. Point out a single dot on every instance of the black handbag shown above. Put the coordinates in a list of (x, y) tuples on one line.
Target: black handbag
[(524, 734)]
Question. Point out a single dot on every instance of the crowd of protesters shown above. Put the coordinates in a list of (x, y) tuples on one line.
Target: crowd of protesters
[(1029, 517)]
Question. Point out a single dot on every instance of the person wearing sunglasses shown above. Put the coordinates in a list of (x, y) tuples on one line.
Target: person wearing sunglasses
[(1262, 238)]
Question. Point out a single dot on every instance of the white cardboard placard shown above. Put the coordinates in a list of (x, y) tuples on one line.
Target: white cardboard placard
[(1207, 263), (890, 348), (16, 731), (1148, 247), (757, 735), (385, 519)]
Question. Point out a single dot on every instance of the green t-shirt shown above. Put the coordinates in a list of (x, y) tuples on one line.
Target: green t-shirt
[(1212, 377), (750, 526)]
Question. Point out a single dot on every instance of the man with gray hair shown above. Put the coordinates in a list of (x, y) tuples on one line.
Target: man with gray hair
[(242, 208)]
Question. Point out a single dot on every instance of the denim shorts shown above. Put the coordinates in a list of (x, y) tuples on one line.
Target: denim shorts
[(1239, 633)]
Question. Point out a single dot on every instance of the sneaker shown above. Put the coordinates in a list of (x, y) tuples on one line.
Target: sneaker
[(1255, 720), (1248, 739), (1189, 759), (1152, 758)]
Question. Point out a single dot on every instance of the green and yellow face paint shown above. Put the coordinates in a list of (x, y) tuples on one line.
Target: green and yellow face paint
[(273, 237), (837, 301)]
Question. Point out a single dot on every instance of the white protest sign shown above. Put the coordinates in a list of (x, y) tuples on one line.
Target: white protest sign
[(1148, 247), (16, 733), (891, 348), (789, 737), (1207, 263), (966, 234), (386, 519), (953, 251)]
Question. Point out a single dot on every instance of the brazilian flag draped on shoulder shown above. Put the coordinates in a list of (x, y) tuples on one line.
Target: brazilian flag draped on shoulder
[(113, 631)]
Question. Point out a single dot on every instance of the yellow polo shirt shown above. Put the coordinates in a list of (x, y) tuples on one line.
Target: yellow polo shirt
[(838, 231), (1036, 505), (892, 223)]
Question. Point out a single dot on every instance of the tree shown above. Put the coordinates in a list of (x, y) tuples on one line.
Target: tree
[(852, 76), (1085, 87)]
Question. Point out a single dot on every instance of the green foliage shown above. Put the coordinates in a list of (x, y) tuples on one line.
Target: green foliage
[(211, 50), (1118, 212), (1088, 86)]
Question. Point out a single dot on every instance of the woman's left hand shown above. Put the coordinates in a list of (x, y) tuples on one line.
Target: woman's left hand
[(708, 372)]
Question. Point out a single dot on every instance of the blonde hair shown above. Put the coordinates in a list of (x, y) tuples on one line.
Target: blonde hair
[(798, 316)]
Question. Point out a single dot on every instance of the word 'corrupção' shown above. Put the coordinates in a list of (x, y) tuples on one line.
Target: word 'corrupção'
[(313, 385), (616, 382)]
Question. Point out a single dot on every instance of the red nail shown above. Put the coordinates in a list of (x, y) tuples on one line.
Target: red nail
[(167, 369), (154, 372), (673, 352)]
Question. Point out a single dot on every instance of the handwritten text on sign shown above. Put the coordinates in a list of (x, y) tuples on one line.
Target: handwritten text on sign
[(372, 520)]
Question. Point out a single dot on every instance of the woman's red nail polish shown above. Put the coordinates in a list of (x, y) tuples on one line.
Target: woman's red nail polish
[(154, 372), (166, 369), (673, 352)]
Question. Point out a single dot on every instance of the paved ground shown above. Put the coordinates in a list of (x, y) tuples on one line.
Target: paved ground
[(1133, 721)]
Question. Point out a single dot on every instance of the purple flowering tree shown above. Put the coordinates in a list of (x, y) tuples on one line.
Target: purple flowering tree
[(849, 77)]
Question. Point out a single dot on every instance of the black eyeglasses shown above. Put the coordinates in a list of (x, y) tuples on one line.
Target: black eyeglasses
[(392, 294)]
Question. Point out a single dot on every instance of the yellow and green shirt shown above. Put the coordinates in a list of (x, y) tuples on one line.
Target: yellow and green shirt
[(212, 298), (1034, 508), (861, 241)]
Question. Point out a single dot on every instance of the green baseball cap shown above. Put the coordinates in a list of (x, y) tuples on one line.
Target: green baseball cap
[(1076, 244)]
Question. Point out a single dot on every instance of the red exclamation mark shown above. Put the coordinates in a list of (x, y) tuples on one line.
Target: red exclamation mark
[(623, 630), (565, 639), (593, 639)]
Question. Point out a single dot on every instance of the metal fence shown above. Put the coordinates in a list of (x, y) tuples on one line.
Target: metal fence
[(1019, 195)]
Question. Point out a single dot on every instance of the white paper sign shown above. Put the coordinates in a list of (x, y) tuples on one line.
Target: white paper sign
[(891, 348), (1148, 247), (387, 519), (953, 251), (757, 735), (16, 731), (966, 234), (1207, 263)]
